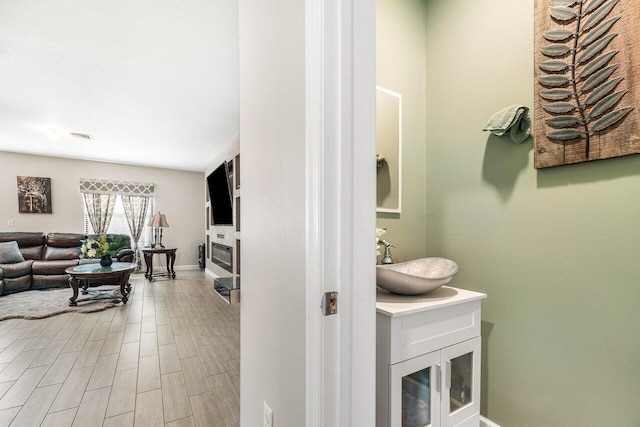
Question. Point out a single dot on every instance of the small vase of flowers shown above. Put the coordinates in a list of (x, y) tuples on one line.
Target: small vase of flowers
[(104, 247)]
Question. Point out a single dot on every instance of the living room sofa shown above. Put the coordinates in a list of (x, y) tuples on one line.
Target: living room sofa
[(46, 256)]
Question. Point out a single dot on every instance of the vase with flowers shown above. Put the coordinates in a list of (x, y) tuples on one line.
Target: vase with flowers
[(104, 247)]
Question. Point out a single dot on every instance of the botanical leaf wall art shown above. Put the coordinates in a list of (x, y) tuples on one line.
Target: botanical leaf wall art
[(586, 51)]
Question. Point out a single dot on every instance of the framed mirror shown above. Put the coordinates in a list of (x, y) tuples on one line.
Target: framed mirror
[(388, 150)]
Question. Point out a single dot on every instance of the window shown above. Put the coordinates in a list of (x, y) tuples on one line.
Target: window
[(119, 225)]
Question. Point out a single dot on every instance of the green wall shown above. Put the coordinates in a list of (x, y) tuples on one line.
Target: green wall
[(401, 60), (556, 250)]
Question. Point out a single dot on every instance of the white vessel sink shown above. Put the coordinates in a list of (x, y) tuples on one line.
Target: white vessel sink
[(415, 277)]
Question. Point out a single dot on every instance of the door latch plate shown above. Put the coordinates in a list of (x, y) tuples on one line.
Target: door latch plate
[(329, 303)]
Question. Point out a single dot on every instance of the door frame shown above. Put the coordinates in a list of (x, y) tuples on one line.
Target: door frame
[(340, 190)]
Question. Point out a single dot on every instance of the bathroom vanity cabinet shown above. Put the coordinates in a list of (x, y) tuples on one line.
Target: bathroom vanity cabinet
[(428, 359)]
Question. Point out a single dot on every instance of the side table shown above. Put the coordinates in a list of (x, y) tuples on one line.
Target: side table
[(148, 254)]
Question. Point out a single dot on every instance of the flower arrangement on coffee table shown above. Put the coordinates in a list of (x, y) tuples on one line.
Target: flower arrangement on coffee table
[(104, 247)]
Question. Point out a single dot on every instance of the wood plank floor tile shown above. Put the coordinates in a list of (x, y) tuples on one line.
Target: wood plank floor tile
[(175, 397), (179, 325), (169, 359), (35, 409), (124, 420), (194, 376), (148, 325), (100, 331), (104, 372), (227, 397), (149, 409), (128, 356), (20, 391), (7, 415), (92, 408), (132, 332), (18, 366), (49, 354), (72, 390), (89, 354), (112, 343), (165, 334), (123, 393), (148, 344), (184, 422), (4, 387), (199, 335), (149, 373), (119, 322), (60, 418), (77, 341), (232, 367), (211, 365), (60, 369), (206, 411), (14, 349), (186, 346), (106, 316), (38, 343)]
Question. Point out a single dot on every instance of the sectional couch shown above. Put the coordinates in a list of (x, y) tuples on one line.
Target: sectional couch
[(46, 256)]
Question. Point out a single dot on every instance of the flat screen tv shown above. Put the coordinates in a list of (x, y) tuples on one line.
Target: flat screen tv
[(220, 195)]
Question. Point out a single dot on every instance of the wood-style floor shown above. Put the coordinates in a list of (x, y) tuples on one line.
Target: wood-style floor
[(170, 356)]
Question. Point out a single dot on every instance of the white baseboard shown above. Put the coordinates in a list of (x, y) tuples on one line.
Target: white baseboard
[(186, 267), (487, 423), (177, 268), (210, 273)]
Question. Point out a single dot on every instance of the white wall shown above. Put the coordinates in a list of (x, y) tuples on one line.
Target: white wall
[(272, 111), (179, 196)]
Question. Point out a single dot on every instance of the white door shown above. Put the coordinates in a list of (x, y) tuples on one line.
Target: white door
[(307, 125), (340, 153)]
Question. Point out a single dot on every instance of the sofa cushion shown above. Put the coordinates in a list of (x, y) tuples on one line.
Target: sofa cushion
[(64, 240), (31, 244), (51, 253), (18, 269), (50, 281), (24, 239), (10, 253), (17, 285), (52, 267)]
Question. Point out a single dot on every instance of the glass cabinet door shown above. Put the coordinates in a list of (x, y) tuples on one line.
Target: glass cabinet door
[(461, 390), (415, 392), (416, 398)]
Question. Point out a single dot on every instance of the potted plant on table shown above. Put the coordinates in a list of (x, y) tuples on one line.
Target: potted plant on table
[(104, 247)]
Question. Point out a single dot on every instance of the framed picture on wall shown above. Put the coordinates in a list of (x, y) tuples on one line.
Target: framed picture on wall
[(34, 194)]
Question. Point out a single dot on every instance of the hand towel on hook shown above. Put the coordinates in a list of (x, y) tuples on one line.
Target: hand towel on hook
[(514, 119)]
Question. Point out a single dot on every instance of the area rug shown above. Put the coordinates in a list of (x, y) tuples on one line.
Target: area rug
[(47, 303)]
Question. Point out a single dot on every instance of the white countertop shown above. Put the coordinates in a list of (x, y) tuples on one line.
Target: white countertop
[(400, 305)]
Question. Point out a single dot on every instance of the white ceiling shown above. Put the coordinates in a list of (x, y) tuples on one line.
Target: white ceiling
[(155, 82)]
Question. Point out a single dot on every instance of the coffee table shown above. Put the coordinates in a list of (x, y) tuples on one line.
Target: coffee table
[(94, 272)]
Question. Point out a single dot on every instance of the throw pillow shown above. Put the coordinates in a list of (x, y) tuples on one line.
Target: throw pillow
[(10, 253)]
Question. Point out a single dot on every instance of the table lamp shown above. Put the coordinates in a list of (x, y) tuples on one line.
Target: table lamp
[(158, 222)]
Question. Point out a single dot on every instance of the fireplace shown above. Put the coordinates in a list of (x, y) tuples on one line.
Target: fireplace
[(222, 256)]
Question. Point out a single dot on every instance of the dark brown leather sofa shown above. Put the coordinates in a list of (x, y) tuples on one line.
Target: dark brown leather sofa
[(46, 257)]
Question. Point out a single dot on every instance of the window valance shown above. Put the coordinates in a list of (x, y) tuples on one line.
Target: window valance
[(112, 187)]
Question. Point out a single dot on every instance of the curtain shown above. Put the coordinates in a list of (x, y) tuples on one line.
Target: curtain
[(100, 210), (135, 209)]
